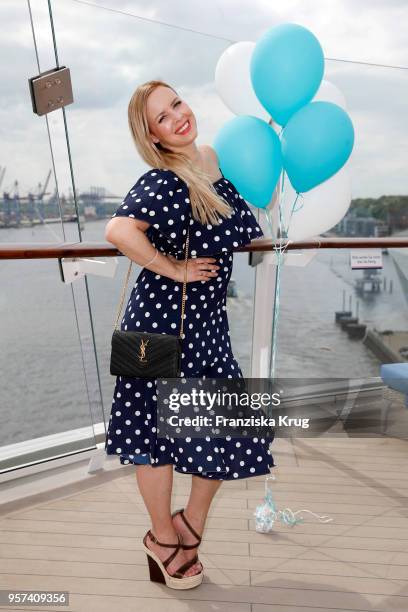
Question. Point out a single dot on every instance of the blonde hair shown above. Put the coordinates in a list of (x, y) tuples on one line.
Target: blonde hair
[(204, 199)]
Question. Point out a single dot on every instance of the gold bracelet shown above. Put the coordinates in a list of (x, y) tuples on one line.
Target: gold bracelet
[(152, 260)]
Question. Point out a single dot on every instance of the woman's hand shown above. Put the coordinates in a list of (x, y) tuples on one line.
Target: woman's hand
[(198, 269)]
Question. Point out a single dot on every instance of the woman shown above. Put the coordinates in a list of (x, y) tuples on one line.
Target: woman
[(184, 189)]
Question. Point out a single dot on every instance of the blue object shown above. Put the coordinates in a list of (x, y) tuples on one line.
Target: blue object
[(144, 459), (249, 154), (395, 376), (266, 514), (316, 143), (286, 69)]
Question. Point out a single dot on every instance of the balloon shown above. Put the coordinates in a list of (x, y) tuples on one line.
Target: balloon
[(328, 92), (249, 155), (286, 69), (323, 207), (233, 83), (316, 143)]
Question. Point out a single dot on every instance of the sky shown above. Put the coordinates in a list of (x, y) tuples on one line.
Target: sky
[(113, 46)]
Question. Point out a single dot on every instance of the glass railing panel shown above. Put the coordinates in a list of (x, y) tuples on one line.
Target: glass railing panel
[(36, 195), (394, 325), (49, 377), (44, 390), (311, 342), (337, 327)]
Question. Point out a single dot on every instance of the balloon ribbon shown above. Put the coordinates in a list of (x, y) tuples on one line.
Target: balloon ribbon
[(266, 513)]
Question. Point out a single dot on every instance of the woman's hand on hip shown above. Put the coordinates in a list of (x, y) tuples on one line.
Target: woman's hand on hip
[(198, 269)]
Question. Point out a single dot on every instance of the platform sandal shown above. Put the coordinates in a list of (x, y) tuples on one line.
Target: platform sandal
[(180, 511), (157, 568)]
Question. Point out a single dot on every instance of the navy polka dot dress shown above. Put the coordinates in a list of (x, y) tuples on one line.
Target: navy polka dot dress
[(161, 198)]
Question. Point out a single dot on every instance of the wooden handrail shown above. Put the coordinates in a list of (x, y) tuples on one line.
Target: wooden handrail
[(44, 250)]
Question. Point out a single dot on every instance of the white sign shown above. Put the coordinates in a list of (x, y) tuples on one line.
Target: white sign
[(361, 259)]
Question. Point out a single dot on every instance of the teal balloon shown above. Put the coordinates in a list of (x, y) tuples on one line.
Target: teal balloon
[(286, 70), (249, 155), (316, 143)]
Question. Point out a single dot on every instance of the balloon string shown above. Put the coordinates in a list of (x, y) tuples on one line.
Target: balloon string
[(288, 517), (279, 249), (266, 514), (294, 209), (282, 233), (269, 220)]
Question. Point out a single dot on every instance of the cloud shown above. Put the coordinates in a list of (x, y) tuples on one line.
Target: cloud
[(110, 53)]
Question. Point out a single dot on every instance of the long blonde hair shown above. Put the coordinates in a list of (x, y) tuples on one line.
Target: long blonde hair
[(204, 199)]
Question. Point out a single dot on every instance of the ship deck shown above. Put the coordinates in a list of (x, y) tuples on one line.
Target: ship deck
[(85, 536)]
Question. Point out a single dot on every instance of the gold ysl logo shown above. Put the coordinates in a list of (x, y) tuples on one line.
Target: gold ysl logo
[(142, 353)]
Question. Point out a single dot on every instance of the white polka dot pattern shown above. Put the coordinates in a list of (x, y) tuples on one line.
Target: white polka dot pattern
[(160, 198), (154, 305)]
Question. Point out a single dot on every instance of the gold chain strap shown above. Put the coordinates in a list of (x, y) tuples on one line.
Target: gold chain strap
[(122, 297)]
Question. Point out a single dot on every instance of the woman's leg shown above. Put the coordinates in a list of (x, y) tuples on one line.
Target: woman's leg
[(155, 485), (196, 510)]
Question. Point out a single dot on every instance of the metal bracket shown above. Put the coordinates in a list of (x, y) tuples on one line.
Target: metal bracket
[(73, 268), (51, 90), (255, 258)]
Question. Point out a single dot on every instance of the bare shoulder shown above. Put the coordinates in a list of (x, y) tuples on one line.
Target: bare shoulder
[(210, 152), (211, 163)]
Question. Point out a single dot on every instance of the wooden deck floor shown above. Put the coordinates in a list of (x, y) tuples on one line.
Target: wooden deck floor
[(89, 542)]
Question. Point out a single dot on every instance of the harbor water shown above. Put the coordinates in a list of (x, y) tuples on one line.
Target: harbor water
[(43, 387)]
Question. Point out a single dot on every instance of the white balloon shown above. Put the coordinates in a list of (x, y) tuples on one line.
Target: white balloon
[(323, 207), (328, 92), (233, 81), (326, 204)]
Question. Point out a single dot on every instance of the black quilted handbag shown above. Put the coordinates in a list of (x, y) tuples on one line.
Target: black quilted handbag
[(140, 354)]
